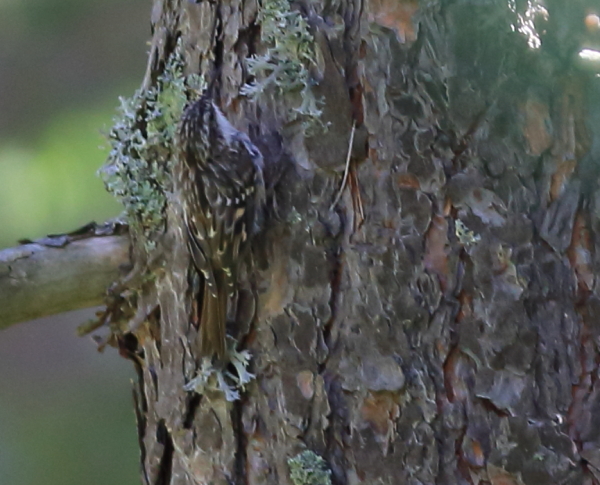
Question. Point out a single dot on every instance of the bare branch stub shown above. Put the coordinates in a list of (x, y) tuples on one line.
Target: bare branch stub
[(60, 273)]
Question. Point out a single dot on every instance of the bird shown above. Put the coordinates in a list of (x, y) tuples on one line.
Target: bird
[(222, 194)]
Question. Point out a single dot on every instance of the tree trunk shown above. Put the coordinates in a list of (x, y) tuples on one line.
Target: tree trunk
[(436, 325)]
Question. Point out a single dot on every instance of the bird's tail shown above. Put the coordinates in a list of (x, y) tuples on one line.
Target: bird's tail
[(213, 318)]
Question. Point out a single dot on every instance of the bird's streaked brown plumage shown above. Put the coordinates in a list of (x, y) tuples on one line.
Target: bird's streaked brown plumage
[(222, 192)]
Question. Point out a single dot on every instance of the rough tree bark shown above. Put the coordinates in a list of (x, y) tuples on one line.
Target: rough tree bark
[(437, 325)]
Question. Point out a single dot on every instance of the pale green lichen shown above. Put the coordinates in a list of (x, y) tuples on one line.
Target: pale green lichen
[(142, 137), (308, 468), (285, 65), (464, 234), (211, 379)]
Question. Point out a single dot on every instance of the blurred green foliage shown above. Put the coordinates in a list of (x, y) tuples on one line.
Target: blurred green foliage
[(51, 185), (66, 412)]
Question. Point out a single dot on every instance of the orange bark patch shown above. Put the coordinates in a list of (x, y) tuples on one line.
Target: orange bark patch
[(436, 249), (408, 181), (380, 410), (356, 99), (473, 452), (396, 15), (537, 121), (257, 466), (477, 452), (560, 177), (579, 254), (466, 307), (454, 368), (573, 139), (499, 476)]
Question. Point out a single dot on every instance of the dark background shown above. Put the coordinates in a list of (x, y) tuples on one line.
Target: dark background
[(66, 414)]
